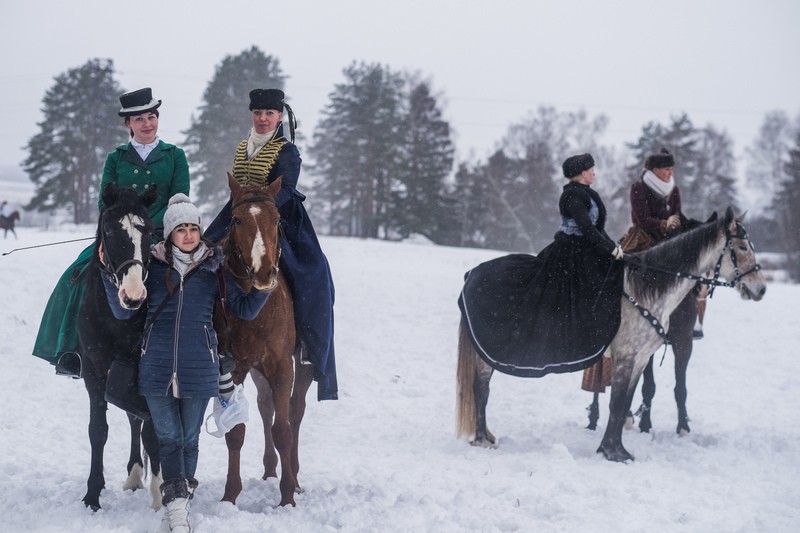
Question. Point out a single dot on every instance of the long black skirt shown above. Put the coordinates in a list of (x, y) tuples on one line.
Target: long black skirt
[(557, 312)]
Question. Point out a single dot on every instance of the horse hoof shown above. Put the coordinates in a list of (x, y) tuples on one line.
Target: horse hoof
[(618, 455), (483, 443)]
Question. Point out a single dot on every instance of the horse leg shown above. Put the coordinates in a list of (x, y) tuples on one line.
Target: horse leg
[(150, 442), (98, 435), (266, 408), (135, 465), (625, 375), (282, 382), (681, 335), (234, 439), (648, 391), (594, 411), (303, 376)]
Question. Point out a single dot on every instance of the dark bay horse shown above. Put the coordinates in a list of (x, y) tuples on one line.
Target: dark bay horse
[(124, 229), (681, 339), (721, 246), (7, 223), (265, 347)]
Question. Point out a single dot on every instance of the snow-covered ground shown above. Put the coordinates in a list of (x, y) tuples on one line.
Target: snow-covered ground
[(384, 457)]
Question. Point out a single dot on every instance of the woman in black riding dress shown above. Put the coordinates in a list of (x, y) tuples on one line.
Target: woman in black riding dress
[(557, 311)]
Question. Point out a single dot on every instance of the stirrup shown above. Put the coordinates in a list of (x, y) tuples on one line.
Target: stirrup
[(69, 365)]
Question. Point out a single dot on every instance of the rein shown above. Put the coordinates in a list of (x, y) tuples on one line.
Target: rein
[(712, 282)]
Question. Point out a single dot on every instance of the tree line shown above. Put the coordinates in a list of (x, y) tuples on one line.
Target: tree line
[(381, 162)]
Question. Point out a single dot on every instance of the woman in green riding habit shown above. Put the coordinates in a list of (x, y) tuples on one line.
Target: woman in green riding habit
[(144, 162)]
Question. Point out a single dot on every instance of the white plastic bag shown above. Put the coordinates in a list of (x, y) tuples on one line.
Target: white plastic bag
[(228, 414)]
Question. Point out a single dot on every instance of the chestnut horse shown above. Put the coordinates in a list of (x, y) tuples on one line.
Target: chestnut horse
[(265, 347), (666, 275)]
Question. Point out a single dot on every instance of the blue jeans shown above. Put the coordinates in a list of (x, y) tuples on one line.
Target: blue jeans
[(177, 422)]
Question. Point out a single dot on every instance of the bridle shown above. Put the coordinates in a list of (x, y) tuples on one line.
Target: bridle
[(249, 271), (714, 282), (114, 271)]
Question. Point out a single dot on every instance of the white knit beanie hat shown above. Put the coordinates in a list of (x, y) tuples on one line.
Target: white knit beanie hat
[(180, 211)]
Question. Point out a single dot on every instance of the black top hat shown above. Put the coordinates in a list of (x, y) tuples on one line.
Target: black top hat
[(663, 159), (267, 99), (576, 164), (138, 102)]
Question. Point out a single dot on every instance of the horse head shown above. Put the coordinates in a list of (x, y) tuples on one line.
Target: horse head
[(740, 265), (253, 249), (125, 230)]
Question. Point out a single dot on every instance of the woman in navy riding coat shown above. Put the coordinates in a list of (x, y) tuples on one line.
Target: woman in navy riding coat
[(179, 369), (260, 159)]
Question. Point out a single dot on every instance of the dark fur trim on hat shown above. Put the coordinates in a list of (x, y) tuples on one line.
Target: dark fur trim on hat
[(267, 99), (663, 159), (576, 164)]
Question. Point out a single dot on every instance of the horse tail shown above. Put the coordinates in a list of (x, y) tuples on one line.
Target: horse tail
[(465, 378)]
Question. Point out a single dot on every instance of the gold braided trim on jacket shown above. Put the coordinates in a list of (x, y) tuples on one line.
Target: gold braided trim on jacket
[(255, 171)]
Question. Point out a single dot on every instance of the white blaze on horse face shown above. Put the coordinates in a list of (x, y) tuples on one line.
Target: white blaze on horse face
[(132, 284), (258, 250)]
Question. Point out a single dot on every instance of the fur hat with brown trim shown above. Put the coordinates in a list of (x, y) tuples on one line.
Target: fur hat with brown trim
[(662, 159), (576, 164)]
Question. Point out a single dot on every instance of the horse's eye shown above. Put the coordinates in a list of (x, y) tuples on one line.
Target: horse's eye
[(236, 221)]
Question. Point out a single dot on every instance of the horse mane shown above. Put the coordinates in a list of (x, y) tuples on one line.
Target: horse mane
[(681, 253)]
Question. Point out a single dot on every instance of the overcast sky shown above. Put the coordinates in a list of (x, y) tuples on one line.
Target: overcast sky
[(724, 62)]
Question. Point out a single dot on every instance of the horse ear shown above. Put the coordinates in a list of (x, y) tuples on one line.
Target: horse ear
[(109, 194), (275, 187), (730, 219), (150, 195), (740, 218), (712, 218), (233, 185)]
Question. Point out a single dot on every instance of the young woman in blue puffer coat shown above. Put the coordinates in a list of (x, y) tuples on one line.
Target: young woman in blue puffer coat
[(179, 370)]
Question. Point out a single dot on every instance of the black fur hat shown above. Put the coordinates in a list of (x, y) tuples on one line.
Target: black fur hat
[(576, 164), (663, 159), (267, 99)]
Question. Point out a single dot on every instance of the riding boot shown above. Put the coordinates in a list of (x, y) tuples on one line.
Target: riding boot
[(175, 498), (69, 364)]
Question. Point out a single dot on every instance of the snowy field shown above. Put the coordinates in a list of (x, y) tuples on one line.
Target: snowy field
[(384, 457)]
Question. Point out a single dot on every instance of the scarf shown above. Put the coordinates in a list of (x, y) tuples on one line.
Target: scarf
[(256, 141), (183, 261), (661, 188)]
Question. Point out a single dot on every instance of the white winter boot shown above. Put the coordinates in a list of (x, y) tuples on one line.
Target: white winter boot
[(176, 507)]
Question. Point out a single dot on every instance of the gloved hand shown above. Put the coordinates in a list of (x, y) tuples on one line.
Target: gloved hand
[(617, 253), (673, 222)]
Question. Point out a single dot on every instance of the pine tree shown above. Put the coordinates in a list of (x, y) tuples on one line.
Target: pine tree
[(715, 186), (358, 149), (422, 205), (224, 120), (766, 158), (787, 209), (80, 126)]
